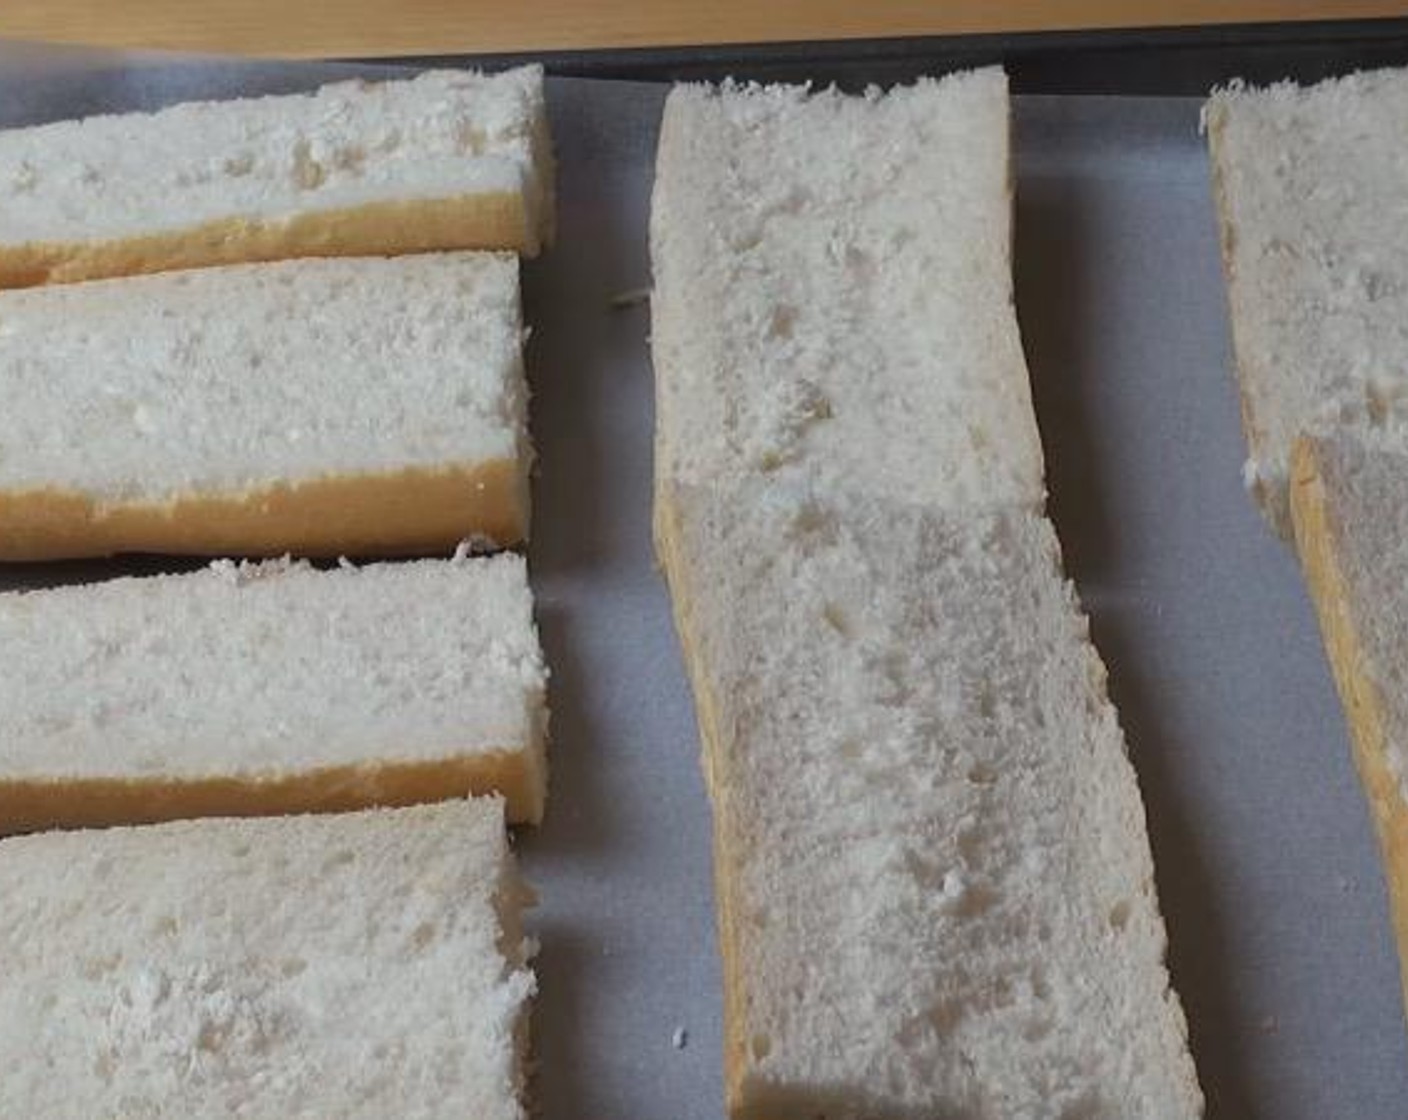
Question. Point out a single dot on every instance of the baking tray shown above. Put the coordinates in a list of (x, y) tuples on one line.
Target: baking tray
[(1270, 881)]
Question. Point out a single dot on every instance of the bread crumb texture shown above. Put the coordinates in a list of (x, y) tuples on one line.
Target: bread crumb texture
[(361, 965), (347, 672), (227, 379), (364, 404), (817, 310), (322, 172), (907, 706)]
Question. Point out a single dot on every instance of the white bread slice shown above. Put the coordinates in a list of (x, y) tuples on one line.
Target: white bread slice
[(1313, 204), (935, 890), (275, 688), (1348, 497), (358, 406), (359, 966), (445, 160), (833, 293)]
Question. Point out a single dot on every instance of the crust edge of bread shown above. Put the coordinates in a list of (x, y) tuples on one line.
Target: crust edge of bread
[(1271, 499), (1318, 540), (667, 548), (387, 513), (490, 220), (746, 1095), (515, 775)]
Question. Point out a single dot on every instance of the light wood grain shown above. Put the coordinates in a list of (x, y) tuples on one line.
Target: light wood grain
[(288, 28)]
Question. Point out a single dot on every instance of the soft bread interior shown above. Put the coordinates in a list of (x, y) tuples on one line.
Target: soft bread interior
[(271, 688), (360, 405), (936, 890), (362, 966), (446, 159)]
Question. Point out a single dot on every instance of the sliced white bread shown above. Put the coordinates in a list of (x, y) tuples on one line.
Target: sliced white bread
[(445, 160), (274, 688), (1313, 203), (359, 966), (833, 293), (358, 406), (1348, 497), (935, 890)]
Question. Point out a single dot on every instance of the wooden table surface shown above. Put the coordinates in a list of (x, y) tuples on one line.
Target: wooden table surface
[(343, 28)]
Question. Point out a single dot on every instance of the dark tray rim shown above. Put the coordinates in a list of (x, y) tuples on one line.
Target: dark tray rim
[(1168, 61)]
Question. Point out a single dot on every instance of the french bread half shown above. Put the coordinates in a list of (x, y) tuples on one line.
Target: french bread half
[(361, 966), (247, 689), (833, 292), (445, 160), (361, 406), (936, 896)]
